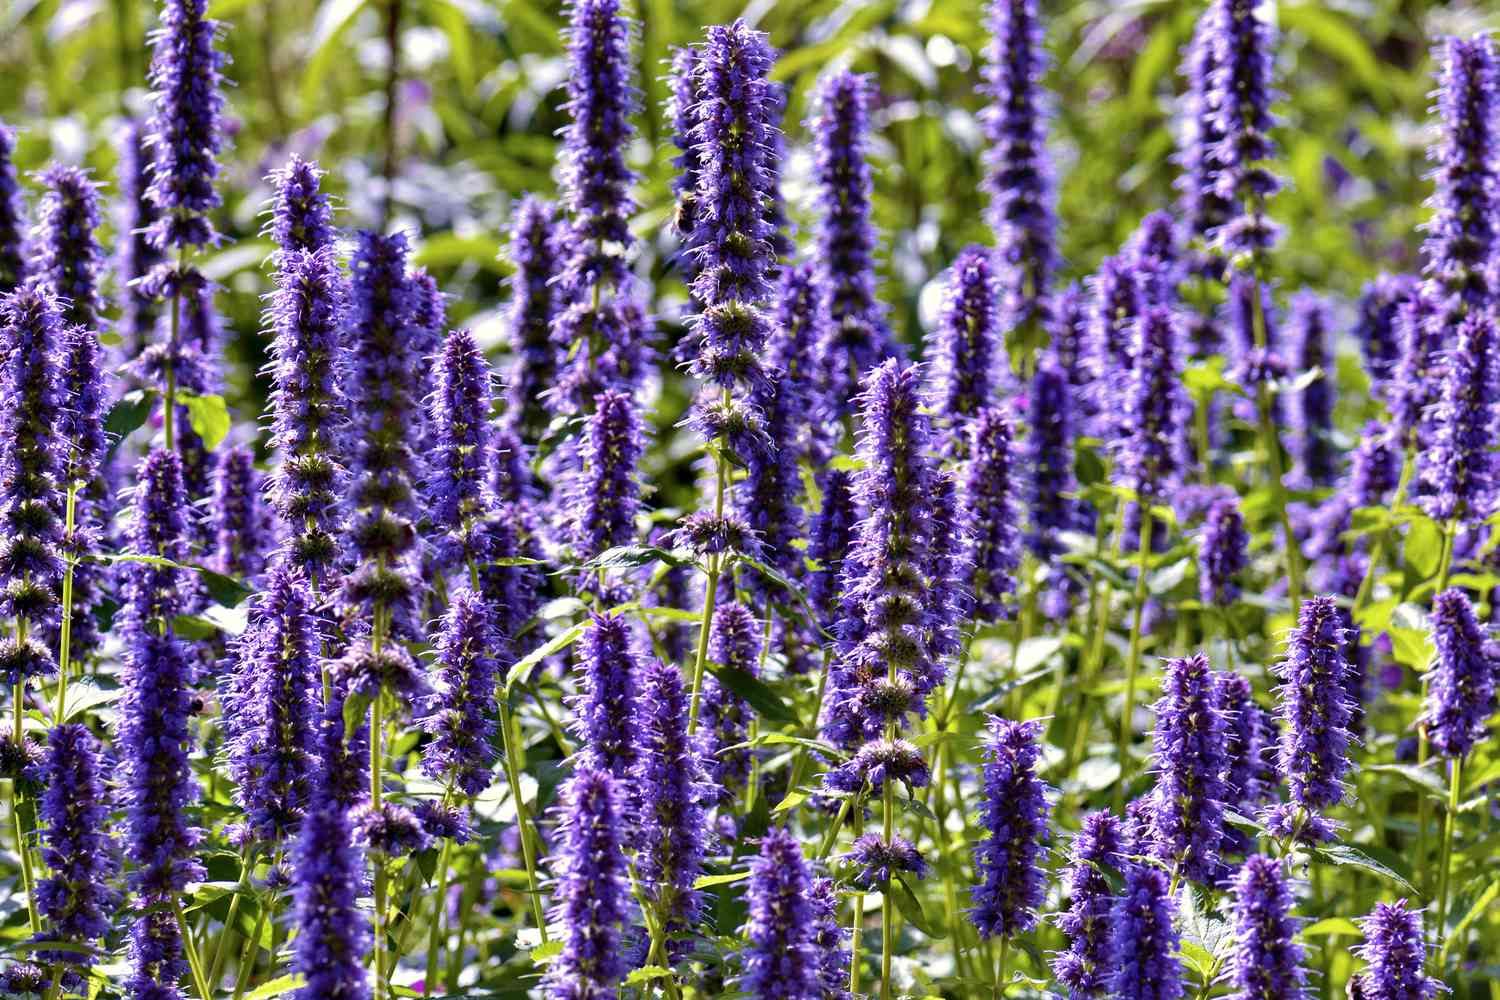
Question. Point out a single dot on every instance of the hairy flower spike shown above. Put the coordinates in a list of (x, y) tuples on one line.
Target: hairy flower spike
[(604, 496), (138, 256), (1315, 707), (461, 714), (734, 643), (1188, 749), (1250, 776), (302, 213), (1052, 485), (1395, 953), (1084, 967), (1460, 465), (536, 249), (1309, 328), (683, 106), (69, 254), (1201, 205), (782, 962), (990, 490), (590, 901), (969, 350), (1143, 940), (1241, 95), (242, 529), (1020, 180), (858, 337), (1223, 552), (1153, 454), (832, 534), (1267, 957), (457, 489), (1461, 697), (1376, 329), (187, 134), (1417, 377), (14, 253), (1014, 811), (606, 713), (332, 932), (767, 498)]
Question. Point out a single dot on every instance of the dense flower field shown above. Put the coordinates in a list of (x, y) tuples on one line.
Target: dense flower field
[(1127, 637)]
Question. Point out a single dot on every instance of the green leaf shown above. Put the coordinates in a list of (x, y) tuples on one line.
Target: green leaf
[(1349, 856), (356, 707), (911, 909), (646, 974), (1424, 546), (1036, 651), (209, 417), (542, 954), (1331, 925), (328, 26), (1340, 40), (129, 413), (276, 987), (634, 557), (1481, 906), (521, 669), (225, 590), (766, 702), (709, 881), (1422, 777)]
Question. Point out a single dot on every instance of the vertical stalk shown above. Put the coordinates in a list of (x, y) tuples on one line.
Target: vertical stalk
[(1133, 663), (65, 633), (887, 909), (1455, 779), (435, 932), (190, 949), (169, 393), (377, 727), (710, 597), (510, 749)]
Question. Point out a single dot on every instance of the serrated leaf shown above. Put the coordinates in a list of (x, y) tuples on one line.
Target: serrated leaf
[(1348, 856), (1420, 776), (634, 557), (756, 692), (356, 707), (130, 412), (209, 417), (542, 954), (646, 974)]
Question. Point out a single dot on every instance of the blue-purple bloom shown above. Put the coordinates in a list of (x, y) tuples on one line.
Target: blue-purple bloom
[(606, 713), (77, 896), (782, 961), (1188, 750), (1267, 957), (187, 134), (1417, 377), (968, 353), (829, 938), (1241, 95), (990, 498), (603, 498), (1223, 552), (1203, 208), (1084, 967), (832, 534), (767, 498), (1153, 452), (1014, 811), (14, 268), (302, 213), (1461, 697), (1309, 328), (332, 933), (1395, 955), (536, 249), (874, 862), (1460, 465), (69, 257), (461, 714), (1250, 777), (1375, 327), (1143, 940), (858, 337), (683, 108), (243, 535), (457, 488), (1051, 484), (590, 900), (878, 762), (138, 256), (1020, 180), (800, 320), (734, 643)]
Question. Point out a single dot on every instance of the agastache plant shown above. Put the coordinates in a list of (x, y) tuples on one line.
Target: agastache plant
[(1395, 956), (14, 265), (1085, 967), (969, 350), (1267, 957), (1144, 940), (536, 249), (1014, 813), (590, 901), (782, 962), (1188, 751), (68, 251)]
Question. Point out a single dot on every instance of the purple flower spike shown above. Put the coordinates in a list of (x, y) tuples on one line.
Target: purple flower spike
[(734, 643), (1376, 329), (1241, 95), (832, 534), (187, 134), (332, 932), (1462, 694), (138, 256), (990, 500), (1267, 957), (858, 337), (76, 896), (799, 325), (606, 711), (1188, 749), (767, 498), (461, 713), (536, 248), (590, 900), (1049, 459), (782, 961), (1223, 552), (1395, 953), (1201, 205), (970, 347), (874, 862), (242, 529), (683, 105), (1460, 466), (1084, 967), (1250, 777), (1143, 940), (69, 254), (1464, 234), (1315, 708), (830, 939), (302, 214), (13, 249), (1014, 811), (1020, 180), (306, 487), (272, 708), (457, 489), (1309, 328), (604, 496), (1417, 378), (1154, 452), (668, 774), (1116, 304)]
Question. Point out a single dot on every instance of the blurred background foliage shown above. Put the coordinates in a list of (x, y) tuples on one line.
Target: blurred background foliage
[(477, 111)]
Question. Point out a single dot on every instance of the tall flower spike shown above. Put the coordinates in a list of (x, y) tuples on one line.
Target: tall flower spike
[(1267, 957), (1014, 812), (458, 483), (1309, 328), (1153, 454), (832, 534), (1417, 378), (1315, 715), (990, 490), (881, 636), (969, 350), (461, 717), (1462, 694), (332, 933), (590, 900), (1115, 307), (1394, 953), (1223, 552), (383, 385), (302, 213), (668, 774), (1201, 205), (273, 704), (858, 338), (799, 324), (1243, 57), (81, 425), (1052, 484), (1143, 940), (735, 643), (1463, 237), (605, 712), (1460, 466), (1376, 329), (32, 466), (187, 134), (138, 256), (1020, 180), (830, 940), (782, 962), (69, 254), (767, 497), (682, 109), (604, 496), (306, 487), (242, 529), (1187, 821), (1084, 967), (1250, 776), (13, 250), (536, 249), (76, 896)]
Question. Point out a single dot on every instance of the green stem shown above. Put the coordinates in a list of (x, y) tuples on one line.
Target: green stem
[(169, 394), (509, 747), (1455, 778), (1270, 444), (377, 764), (1000, 983), (887, 899), (1133, 662), (65, 634), (221, 947), (247, 954), (711, 594), (435, 932), (190, 948)]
